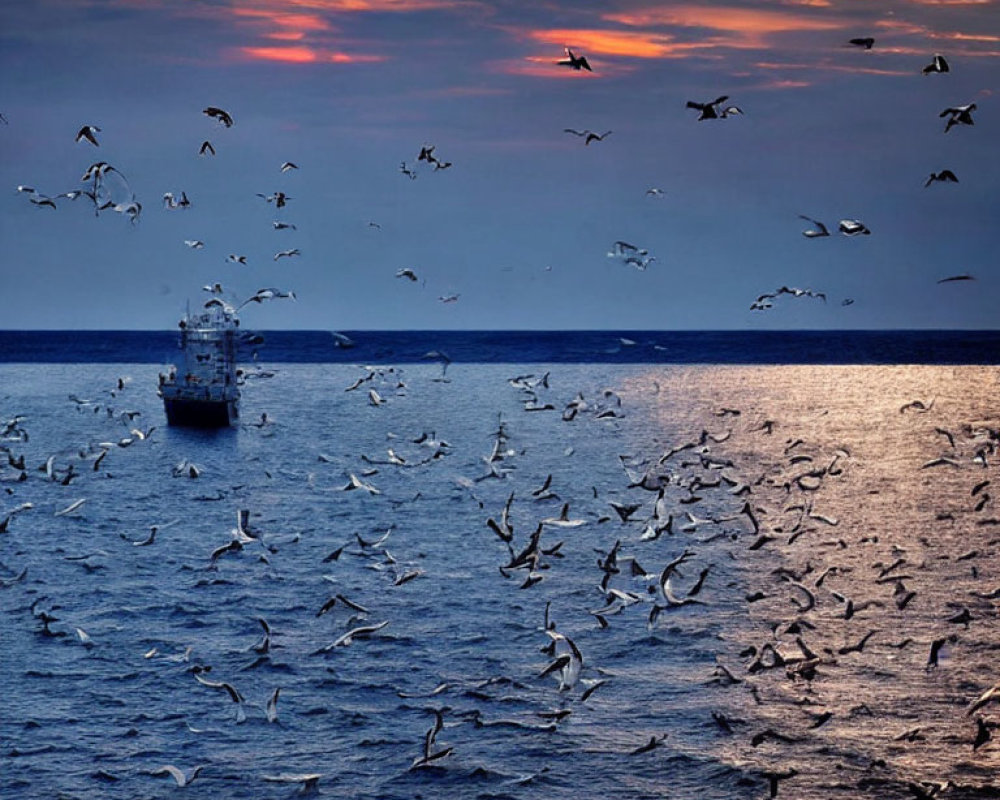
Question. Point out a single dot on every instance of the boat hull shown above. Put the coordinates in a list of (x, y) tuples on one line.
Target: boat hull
[(200, 413)]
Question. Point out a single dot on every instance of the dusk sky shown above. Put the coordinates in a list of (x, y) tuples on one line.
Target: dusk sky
[(519, 227)]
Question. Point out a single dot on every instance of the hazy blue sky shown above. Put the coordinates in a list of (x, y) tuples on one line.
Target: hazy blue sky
[(520, 225)]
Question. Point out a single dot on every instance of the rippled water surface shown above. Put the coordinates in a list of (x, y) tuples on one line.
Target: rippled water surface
[(816, 497)]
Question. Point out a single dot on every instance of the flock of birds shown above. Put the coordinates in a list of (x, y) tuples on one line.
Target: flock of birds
[(108, 189), (717, 110), (833, 607)]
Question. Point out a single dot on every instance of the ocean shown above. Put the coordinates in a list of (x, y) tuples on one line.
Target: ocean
[(718, 564)]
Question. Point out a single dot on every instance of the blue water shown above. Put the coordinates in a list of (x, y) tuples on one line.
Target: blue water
[(527, 347), (98, 718)]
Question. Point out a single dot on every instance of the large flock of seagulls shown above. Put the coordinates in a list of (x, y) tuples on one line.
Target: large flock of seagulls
[(108, 190), (685, 507), (836, 611)]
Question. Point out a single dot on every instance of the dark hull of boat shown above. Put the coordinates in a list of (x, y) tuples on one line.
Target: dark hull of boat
[(200, 413)]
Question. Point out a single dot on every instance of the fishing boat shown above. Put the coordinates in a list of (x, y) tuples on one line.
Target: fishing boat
[(202, 390)]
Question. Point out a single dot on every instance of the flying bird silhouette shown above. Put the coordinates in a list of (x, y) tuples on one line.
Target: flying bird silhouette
[(708, 110), (944, 176), (959, 115), (574, 62), (819, 230), (222, 116), (87, 132), (937, 65), (853, 227)]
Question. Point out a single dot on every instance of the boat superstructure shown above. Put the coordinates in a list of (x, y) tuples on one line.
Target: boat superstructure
[(202, 390)]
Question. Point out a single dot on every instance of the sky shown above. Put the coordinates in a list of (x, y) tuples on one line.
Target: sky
[(516, 232)]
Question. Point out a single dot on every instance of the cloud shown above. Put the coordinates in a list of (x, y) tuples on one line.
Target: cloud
[(306, 55), (633, 44), (734, 26)]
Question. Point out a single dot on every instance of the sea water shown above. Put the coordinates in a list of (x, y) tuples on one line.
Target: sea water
[(846, 480)]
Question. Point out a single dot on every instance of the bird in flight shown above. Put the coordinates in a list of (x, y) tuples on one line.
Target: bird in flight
[(852, 227), (278, 198), (938, 64), (960, 115), (574, 62), (710, 110), (944, 176), (819, 230), (287, 253), (953, 278), (289, 165), (409, 173), (206, 147), (406, 272), (865, 42), (217, 113), (589, 135), (87, 132)]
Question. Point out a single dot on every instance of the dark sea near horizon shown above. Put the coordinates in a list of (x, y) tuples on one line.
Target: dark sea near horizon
[(827, 501), (527, 347)]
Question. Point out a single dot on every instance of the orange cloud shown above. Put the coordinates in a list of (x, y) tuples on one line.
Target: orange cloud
[(302, 22), (289, 55), (634, 44), (743, 27), (306, 55), (829, 67), (388, 6)]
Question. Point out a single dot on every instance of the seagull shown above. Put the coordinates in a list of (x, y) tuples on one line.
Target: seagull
[(938, 64), (865, 42), (272, 706), (574, 62), (990, 695), (406, 272), (655, 192), (289, 165), (283, 226), (430, 754), (87, 132), (293, 252), (278, 198), (819, 230), (944, 176), (206, 147), (449, 298), (589, 135), (959, 115), (170, 201), (363, 631), (179, 776), (708, 110), (852, 227), (409, 173), (217, 113), (568, 664), (951, 278), (194, 244), (235, 259)]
